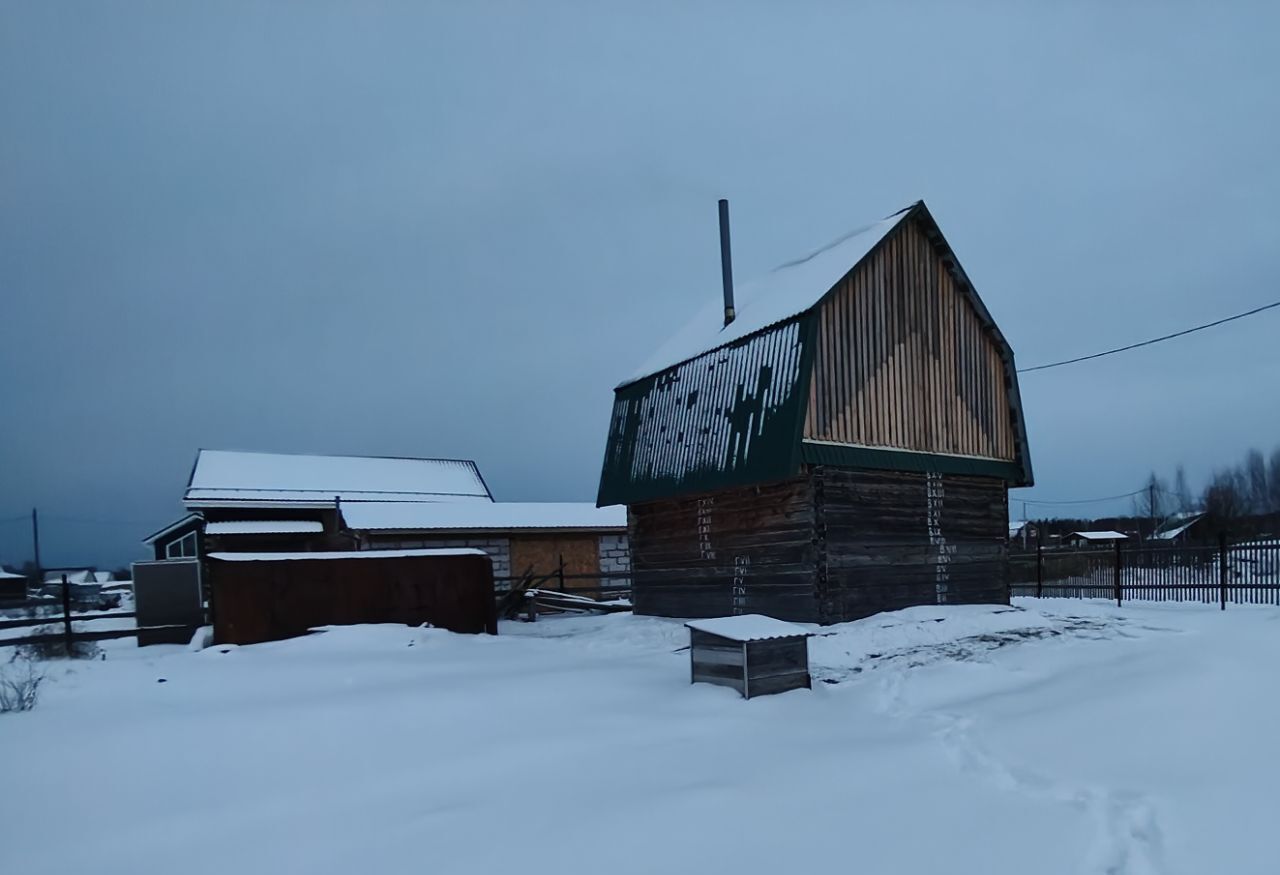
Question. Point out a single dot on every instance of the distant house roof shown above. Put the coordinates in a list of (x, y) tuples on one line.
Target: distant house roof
[(9, 575), (1100, 536), (72, 576), (1177, 525), (172, 527), (223, 478), (1016, 527), (787, 290), (103, 577), (748, 627), (263, 527), (476, 516)]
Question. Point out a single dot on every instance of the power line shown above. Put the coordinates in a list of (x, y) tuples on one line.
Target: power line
[(1082, 500), (1096, 355)]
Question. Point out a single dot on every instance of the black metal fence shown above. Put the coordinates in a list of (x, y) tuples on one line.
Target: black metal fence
[(1226, 573)]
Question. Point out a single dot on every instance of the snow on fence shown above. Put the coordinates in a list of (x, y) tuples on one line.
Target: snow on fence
[(1242, 573)]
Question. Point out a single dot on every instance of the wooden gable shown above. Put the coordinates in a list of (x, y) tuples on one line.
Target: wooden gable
[(907, 359)]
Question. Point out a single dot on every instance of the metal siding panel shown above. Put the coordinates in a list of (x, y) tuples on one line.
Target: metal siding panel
[(729, 417)]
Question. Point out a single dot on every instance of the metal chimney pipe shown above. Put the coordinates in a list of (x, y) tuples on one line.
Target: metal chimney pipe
[(726, 262)]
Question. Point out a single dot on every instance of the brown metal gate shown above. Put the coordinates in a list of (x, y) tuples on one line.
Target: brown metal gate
[(269, 598)]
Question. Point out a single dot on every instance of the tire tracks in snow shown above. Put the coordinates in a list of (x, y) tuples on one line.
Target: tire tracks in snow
[(1128, 839)]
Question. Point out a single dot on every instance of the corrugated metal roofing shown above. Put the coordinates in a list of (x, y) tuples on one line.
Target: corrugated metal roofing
[(475, 516), (749, 627), (222, 476), (728, 417), (263, 527)]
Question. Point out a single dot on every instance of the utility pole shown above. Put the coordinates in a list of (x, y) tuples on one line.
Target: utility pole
[(35, 542)]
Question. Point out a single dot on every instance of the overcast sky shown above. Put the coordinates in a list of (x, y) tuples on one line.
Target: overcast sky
[(449, 229)]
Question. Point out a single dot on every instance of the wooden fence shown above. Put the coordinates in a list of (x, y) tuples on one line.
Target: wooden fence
[(1225, 573), (68, 636)]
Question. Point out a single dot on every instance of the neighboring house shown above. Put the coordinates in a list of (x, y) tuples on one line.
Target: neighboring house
[(13, 587), (840, 443), (265, 502), (520, 537), (103, 576), (1180, 527), (79, 577), (278, 501), (1023, 531), (1104, 538), (82, 586)]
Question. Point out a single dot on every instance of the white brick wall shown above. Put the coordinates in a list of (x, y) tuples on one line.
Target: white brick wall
[(615, 556), (499, 550)]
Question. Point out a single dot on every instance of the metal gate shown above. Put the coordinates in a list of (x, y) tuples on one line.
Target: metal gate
[(168, 593)]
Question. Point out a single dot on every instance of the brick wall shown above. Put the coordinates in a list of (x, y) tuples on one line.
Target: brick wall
[(499, 549), (615, 556)]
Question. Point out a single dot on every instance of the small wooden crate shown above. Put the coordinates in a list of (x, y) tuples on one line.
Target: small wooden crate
[(754, 654)]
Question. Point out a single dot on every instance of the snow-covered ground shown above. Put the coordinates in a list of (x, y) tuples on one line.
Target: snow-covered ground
[(1051, 737)]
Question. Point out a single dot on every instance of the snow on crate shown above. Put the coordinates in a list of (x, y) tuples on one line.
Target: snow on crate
[(749, 627)]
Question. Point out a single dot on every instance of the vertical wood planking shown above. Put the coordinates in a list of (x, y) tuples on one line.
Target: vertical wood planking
[(903, 361)]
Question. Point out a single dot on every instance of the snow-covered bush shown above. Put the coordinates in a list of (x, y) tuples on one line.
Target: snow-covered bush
[(19, 685)]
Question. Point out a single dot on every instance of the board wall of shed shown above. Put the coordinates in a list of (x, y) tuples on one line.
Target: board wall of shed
[(902, 359), (747, 550), (889, 540)]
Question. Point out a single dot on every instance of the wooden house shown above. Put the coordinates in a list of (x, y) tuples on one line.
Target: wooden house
[(522, 538), (239, 501), (13, 586), (1102, 538), (838, 440), (267, 502)]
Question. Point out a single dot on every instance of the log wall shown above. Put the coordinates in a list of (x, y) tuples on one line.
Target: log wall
[(832, 545), (889, 540), (748, 550)]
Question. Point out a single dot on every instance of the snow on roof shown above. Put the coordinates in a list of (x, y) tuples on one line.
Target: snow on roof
[(226, 476), (262, 527), (785, 291), (177, 524), (72, 576), (1100, 536), (748, 627), (9, 575), (1180, 524), (346, 554), (103, 576), (471, 515)]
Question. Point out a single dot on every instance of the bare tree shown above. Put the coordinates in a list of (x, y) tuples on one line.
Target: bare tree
[(1151, 501), (1255, 472), (1224, 499), (1181, 491), (1273, 481)]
